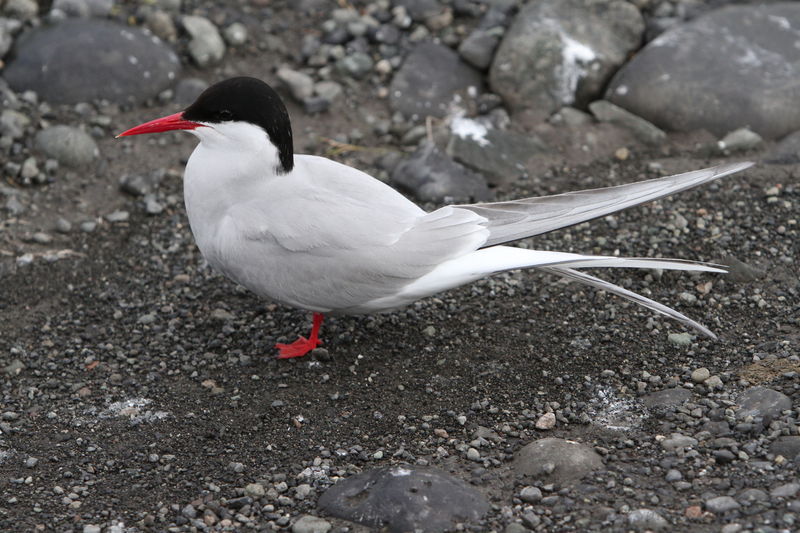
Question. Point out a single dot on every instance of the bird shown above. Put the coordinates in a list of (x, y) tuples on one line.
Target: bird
[(312, 233)]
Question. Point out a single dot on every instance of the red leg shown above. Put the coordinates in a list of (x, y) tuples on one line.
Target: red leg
[(302, 346)]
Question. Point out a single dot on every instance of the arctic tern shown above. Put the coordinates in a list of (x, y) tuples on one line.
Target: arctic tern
[(308, 232)]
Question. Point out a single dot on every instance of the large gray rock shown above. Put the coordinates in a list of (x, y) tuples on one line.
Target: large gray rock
[(557, 460), (733, 67), (497, 154), (562, 52), (429, 79), (431, 175), (81, 60), (761, 402), (404, 498)]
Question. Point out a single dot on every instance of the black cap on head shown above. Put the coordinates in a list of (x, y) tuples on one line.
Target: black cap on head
[(247, 100)]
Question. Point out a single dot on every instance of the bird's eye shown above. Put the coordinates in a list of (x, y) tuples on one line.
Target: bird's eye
[(225, 115)]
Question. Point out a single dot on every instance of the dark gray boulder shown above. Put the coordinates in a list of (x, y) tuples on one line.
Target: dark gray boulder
[(405, 498), (80, 60), (429, 79), (562, 52), (733, 67)]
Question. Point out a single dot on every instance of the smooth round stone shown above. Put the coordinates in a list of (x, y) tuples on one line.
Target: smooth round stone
[(80, 60)]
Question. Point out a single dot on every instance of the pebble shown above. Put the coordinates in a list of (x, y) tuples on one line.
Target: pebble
[(546, 421), (785, 491), (677, 441), (721, 504), (68, 145), (255, 490), (680, 339), (739, 140), (88, 226), (699, 375), (473, 454), (118, 216), (646, 520), (605, 111), (235, 34), (530, 494), (311, 524), (356, 65), (161, 24), (300, 85), (41, 237), (206, 45)]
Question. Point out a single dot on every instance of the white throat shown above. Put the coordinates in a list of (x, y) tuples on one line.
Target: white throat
[(233, 161)]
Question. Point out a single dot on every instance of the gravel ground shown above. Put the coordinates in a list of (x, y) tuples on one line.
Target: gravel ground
[(140, 389)]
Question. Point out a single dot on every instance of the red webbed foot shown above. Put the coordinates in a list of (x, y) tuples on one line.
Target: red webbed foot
[(298, 348), (303, 345)]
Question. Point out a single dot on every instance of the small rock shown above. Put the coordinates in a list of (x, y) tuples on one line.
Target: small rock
[(739, 140), (311, 524), (667, 398), (429, 79), (753, 495), (41, 237), (329, 90), (699, 375), (255, 490), (356, 65), (473, 454), (206, 45), (141, 184), (88, 226), (478, 49), (188, 89), (70, 146), (431, 175), (300, 84), (607, 112), (235, 34), (160, 23), (785, 491), (530, 494), (680, 339), (21, 9), (546, 421), (714, 383), (646, 520), (222, 315), (721, 504), (677, 441), (118, 216)]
